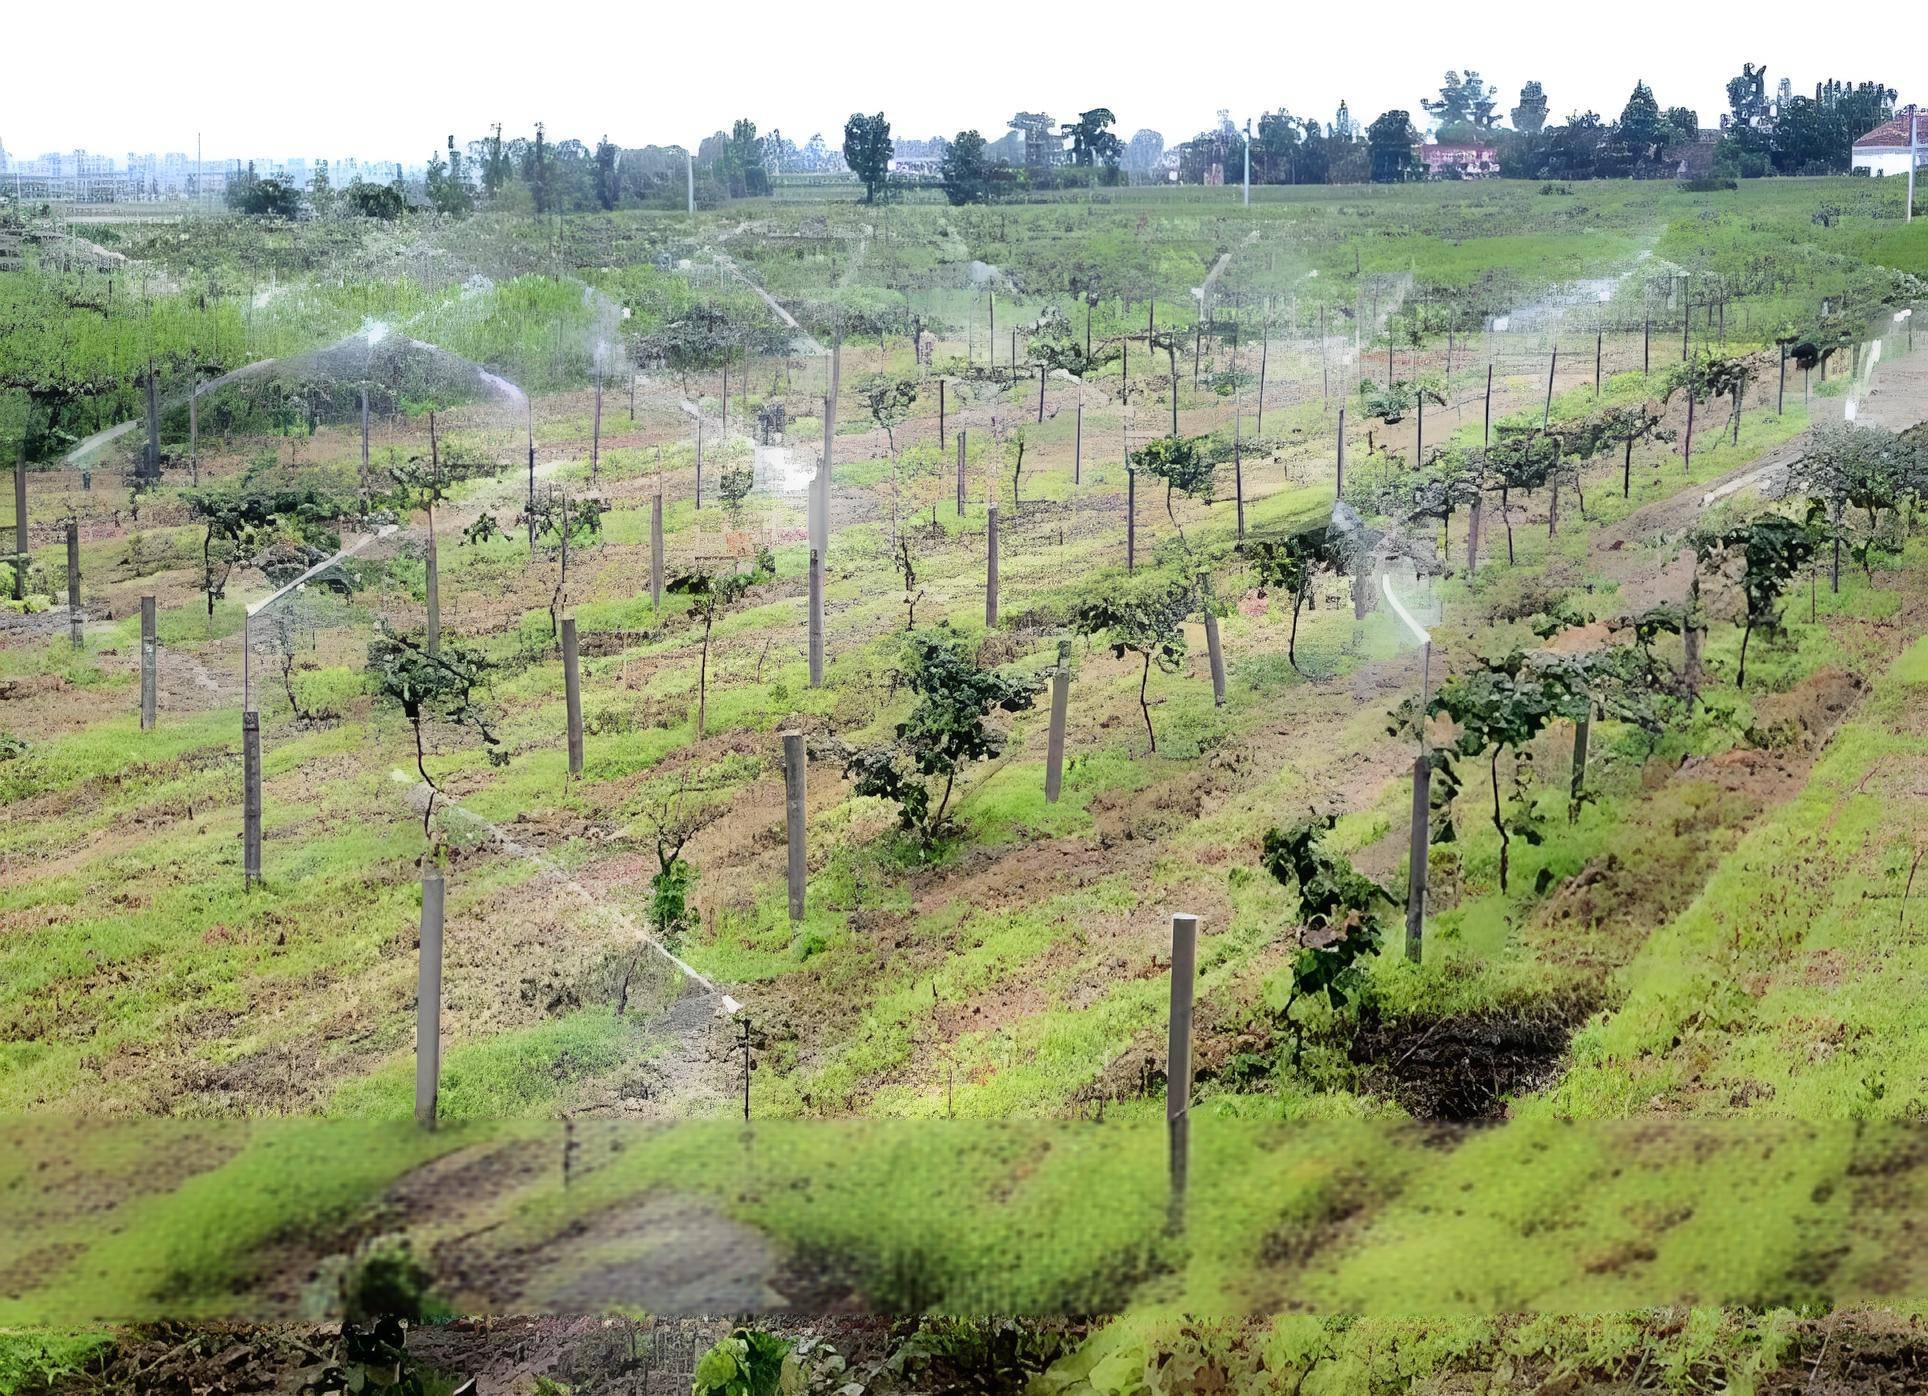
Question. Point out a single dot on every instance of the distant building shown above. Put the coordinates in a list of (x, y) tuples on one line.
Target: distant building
[(1885, 150), (1694, 159), (1460, 159)]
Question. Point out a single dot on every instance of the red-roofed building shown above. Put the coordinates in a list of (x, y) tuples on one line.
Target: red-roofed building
[(1886, 149)]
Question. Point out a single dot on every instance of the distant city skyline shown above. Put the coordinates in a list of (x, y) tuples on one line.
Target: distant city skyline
[(393, 83)]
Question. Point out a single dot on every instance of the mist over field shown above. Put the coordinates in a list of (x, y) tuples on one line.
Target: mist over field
[(1027, 761)]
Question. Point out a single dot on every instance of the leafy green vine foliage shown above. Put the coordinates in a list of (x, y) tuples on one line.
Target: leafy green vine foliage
[(559, 518), (1290, 563), (566, 524), (735, 485), (701, 340), (375, 1358), (1625, 427), (240, 515), (1519, 460), (1446, 484), (482, 530), (713, 587), (1769, 551), (1707, 377), (1063, 351), (1502, 705), (1182, 463), (945, 732), (418, 484), (445, 685), (1146, 621), (749, 1362), (888, 399), (1340, 927), (1391, 403), (1862, 467)]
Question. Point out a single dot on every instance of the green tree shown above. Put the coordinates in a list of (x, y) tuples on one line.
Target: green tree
[(1182, 463), (1766, 553), (1466, 107), (1390, 141), (1529, 117), (1339, 930), (1289, 564), (889, 399), (965, 170), (552, 518), (609, 187), (1852, 465), (1523, 461), (447, 185), (712, 587), (379, 201), (272, 197), (1628, 426), (1642, 128), (1497, 707), (946, 731), (446, 685), (867, 150), (1145, 620), (703, 339), (1093, 143), (242, 514)]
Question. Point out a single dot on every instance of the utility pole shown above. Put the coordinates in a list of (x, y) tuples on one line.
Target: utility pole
[(1914, 154), (1248, 162)]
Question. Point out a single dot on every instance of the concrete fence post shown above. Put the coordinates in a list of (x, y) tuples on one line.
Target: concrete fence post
[(530, 510), (1577, 788), (1418, 853), (961, 433), (1215, 655), (1552, 364), (1131, 519), (151, 462), (816, 619), (656, 551), (793, 807), (595, 430), (990, 568), (1238, 487), (73, 581), (20, 530), (1077, 442), (1339, 482), (1054, 742), (1178, 1057), (572, 693), (364, 435), (699, 463), (194, 427), (250, 798), (150, 662), (428, 1002)]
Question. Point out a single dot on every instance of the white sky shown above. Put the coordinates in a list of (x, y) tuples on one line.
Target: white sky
[(390, 81)]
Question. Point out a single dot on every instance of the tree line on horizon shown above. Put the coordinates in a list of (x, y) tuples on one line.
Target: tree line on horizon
[(1760, 134)]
